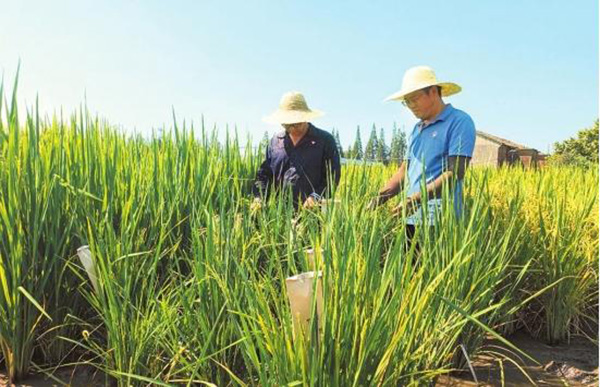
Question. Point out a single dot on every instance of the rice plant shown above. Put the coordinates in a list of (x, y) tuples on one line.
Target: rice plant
[(191, 281)]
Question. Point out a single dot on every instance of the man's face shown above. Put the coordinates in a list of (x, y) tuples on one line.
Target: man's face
[(295, 128), (421, 102)]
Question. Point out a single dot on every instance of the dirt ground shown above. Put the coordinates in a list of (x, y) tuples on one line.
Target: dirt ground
[(69, 376), (573, 364)]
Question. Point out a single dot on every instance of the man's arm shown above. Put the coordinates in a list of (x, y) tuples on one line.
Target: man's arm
[(331, 170), (392, 187), (455, 171), (264, 177)]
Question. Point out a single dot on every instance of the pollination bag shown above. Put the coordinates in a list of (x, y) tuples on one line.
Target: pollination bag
[(85, 256), (312, 258), (301, 290)]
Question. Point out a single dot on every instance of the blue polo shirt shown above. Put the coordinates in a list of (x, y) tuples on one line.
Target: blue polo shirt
[(451, 133)]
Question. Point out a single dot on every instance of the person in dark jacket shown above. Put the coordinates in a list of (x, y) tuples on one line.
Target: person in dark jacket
[(302, 157)]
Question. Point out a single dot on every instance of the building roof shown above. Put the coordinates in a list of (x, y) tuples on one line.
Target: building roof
[(501, 141)]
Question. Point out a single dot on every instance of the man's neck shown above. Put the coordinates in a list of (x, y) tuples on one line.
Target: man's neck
[(436, 112), (296, 135)]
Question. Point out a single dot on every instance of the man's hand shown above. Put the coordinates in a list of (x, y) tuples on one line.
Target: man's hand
[(310, 202), (375, 202), (408, 205), (256, 204)]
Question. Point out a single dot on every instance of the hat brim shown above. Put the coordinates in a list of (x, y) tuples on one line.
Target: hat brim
[(448, 89), (292, 116)]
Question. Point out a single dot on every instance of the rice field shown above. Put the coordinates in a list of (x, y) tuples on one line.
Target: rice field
[(191, 283)]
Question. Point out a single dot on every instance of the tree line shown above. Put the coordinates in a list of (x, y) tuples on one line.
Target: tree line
[(377, 149)]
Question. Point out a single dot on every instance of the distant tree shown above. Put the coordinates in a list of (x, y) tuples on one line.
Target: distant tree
[(372, 145), (394, 150), (349, 154), (383, 152), (581, 150), (357, 150), (336, 136), (398, 147), (402, 145)]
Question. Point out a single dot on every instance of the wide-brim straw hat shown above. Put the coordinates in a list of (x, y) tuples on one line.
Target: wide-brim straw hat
[(292, 110), (420, 77)]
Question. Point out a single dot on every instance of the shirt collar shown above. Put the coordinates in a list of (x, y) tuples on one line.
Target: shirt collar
[(440, 117)]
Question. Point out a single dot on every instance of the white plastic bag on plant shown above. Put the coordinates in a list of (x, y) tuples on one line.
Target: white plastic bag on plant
[(85, 256)]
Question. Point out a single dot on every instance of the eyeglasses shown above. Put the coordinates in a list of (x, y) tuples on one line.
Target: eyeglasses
[(408, 101), (291, 126)]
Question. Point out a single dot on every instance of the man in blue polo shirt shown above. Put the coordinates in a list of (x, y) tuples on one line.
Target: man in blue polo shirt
[(440, 148)]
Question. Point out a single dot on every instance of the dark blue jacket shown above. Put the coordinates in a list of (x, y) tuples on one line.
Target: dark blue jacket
[(306, 168)]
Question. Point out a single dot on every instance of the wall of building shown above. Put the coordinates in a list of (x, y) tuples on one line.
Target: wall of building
[(485, 153), (493, 154)]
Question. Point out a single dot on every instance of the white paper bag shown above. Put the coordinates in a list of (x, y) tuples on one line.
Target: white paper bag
[(312, 258), (301, 290)]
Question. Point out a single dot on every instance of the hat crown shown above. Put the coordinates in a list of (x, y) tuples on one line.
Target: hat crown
[(293, 101), (418, 77), (292, 109)]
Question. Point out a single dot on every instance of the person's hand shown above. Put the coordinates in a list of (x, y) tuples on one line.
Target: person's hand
[(310, 202), (408, 205), (374, 203), (256, 204)]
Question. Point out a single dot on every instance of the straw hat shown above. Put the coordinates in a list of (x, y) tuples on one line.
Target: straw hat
[(420, 77), (292, 110)]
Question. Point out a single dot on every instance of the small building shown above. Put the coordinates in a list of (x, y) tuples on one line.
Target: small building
[(495, 151), (347, 161)]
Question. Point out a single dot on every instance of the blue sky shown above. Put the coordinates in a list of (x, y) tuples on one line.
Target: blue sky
[(529, 69)]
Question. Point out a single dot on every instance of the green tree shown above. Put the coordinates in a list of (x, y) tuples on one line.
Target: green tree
[(349, 154), (357, 150), (394, 155), (579, 150), (398, 147), (383, 152), (336, 136), (402, 145), (372, 145)]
